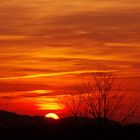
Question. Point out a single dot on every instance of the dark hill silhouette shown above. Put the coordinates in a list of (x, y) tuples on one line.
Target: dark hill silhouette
[(10, 120), (18, 127)]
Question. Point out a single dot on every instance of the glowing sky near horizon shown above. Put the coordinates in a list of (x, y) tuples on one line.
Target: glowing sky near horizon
[(47, 45)]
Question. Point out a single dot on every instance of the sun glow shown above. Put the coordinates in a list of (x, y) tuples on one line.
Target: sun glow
[(49, 103), (52, 116)]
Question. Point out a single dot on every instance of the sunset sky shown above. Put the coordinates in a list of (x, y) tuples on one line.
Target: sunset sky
[(46, 46)]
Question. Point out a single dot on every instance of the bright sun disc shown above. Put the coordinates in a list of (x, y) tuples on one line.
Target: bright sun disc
[(52, 116)]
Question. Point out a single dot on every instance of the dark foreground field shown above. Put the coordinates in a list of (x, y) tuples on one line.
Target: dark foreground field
[(19, 127)]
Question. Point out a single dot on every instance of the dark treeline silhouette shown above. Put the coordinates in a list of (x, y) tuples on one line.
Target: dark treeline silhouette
[(22, 127)]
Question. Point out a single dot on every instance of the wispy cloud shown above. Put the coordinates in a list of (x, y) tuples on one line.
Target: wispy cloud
[(52, 74)]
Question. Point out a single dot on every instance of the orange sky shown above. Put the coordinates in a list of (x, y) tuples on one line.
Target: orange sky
[(47, 45)]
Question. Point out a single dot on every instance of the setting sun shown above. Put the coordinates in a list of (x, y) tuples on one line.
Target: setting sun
[(52, 116)]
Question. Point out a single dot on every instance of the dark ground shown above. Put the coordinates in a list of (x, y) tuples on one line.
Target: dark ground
[(19, 127)]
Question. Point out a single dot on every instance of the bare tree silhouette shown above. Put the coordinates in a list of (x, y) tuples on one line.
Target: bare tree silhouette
[(73, 103), (102, 97)]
